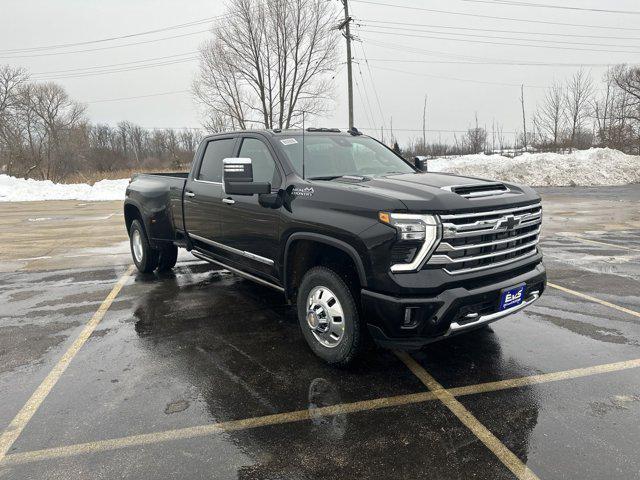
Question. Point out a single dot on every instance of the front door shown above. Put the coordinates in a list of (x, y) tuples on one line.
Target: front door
[(247, 226), (203, 206)]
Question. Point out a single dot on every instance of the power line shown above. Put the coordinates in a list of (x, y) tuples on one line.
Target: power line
[(411, 49), (519, 32), (364, 85), (560, 7), (119, 70), (174, 92), (118, 37), (373, 84), (493, 17), (501, 43), (366, 112), (468, 80), (508, 63), (106, 48), (366, 95), (541, 40), (80, 69)]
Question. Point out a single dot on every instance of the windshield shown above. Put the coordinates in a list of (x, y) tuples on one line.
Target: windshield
[(331, 156)]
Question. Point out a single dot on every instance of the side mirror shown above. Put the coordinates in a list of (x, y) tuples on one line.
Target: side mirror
[(237, 177), (420, 163)]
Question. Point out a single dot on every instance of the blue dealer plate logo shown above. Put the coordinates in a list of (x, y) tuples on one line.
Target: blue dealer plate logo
[(511, 297)]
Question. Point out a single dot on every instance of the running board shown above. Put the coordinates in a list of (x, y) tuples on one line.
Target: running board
[(248, 276)]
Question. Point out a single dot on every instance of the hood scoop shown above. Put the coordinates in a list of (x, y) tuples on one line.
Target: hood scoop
[(353, 178), (479, 190)]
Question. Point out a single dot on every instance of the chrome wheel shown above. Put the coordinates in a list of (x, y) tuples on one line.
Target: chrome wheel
[(136, 244), (325, 316)]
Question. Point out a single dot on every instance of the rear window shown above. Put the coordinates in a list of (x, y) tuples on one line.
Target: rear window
[(211, 166)]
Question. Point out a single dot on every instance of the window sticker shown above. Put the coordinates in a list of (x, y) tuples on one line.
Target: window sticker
[(288, 141)]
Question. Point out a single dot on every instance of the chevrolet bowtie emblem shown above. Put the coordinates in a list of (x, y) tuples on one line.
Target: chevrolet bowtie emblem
[(508, 222)]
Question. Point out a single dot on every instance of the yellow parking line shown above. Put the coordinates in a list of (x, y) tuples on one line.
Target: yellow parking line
[(597, 242), (17, 425), (204, 430), (594, 299), (506, 456), (544, 378), (301, 415)]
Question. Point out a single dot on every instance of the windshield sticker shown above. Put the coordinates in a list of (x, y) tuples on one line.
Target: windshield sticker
[(288, 141)]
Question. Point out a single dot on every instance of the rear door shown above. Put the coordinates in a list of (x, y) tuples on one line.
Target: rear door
[(203, 195), (249, 227)]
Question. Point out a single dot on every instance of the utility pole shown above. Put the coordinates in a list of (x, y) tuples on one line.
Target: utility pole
[(424, 124), (347, 34), (524, 118)]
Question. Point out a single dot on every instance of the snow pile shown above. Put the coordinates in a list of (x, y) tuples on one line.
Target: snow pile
[(14, 189), (596, 166)]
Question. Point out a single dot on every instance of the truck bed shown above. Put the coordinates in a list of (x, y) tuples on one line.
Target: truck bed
[(159, 195)]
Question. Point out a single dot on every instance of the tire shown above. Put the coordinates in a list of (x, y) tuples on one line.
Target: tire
[(168, 258), (319, 286), (145, 257)]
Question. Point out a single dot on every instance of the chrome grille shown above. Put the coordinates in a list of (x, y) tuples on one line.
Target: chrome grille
[(479, 241)]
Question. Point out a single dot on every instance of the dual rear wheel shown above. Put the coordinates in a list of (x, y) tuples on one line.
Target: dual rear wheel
[(147, 258)]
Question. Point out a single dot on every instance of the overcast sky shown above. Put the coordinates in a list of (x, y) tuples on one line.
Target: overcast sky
[(406, 61)]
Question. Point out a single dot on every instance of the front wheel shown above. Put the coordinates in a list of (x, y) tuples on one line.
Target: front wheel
[(328, 317)]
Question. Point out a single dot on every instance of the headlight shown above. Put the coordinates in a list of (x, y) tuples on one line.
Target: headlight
[(413, 228)]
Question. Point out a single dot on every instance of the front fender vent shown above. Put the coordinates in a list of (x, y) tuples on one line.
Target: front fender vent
[(479, 190)]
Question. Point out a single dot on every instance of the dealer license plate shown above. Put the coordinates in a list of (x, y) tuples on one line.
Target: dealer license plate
[(511, 297)]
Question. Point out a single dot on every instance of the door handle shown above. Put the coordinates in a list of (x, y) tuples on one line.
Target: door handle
[(189, 194), (228, 201)]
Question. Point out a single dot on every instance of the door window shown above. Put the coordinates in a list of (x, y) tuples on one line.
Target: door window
[(211, 166), (264, 167)]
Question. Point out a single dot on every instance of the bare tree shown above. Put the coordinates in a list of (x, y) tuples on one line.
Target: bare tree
[(56, 115), (524, 118), (12, 80), (577, 99), (269, 63), (475, 140), (627, 79), (550, 117)]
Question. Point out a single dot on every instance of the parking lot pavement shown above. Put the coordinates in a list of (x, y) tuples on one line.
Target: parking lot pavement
[(200, 374)]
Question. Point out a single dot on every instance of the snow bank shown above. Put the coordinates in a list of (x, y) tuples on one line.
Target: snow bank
[(596, 166), (14, 189)]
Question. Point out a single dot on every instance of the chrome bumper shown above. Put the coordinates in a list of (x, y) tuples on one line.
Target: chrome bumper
[(485, 319)]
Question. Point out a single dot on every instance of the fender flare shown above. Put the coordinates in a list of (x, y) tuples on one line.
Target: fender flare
[(334, 242), (143, 217)]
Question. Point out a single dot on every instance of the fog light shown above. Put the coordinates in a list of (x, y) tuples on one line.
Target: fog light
[(410, 318)]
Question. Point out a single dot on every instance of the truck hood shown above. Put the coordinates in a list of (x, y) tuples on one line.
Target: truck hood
[(436, 192)]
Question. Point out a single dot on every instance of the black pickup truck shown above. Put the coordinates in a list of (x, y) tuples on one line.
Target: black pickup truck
[(364, 242)]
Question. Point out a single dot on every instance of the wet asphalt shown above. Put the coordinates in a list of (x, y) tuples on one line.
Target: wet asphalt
[(198, 347)]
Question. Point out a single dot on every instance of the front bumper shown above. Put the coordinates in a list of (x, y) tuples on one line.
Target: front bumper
[(455, 310)]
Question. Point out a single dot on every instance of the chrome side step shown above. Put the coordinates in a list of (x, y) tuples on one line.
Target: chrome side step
[(246, 275)]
